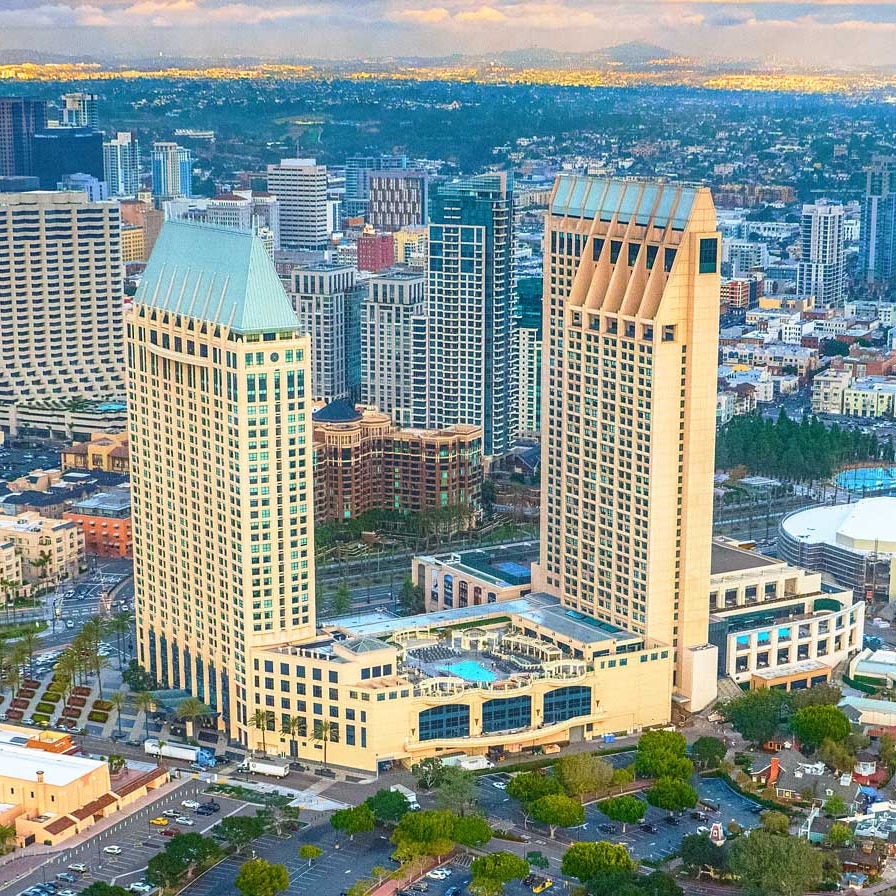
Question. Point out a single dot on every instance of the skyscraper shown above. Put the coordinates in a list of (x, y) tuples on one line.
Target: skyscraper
[(394, 305), (822, 252), (121, 164), (631, 293), (528, 357), (172, 172), (398, 199), (80, 110), (327, 299), (20, 119), (300, 186), (61, 328), (61, 151), (358, 170), (877, 250), (471, 304), (222, 504)]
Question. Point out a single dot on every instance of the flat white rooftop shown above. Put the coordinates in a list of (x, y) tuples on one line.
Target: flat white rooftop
[(868, 524), (59, 770)]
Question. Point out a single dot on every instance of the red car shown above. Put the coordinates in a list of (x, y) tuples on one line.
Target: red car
[(170, 832)]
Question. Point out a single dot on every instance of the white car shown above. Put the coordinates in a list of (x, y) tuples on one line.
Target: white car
[(141, 886), (67, 893), (80, 867), (190, 804), (184, 820), (439, 874), (112, 850), (501, 785)]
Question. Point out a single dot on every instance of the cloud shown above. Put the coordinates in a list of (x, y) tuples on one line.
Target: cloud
[(483, 14), (431, 16)]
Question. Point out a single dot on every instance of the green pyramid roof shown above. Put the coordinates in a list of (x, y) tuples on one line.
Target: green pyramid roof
[(218, 275)]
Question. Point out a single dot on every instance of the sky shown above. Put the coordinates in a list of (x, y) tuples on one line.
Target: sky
[(826, 33)]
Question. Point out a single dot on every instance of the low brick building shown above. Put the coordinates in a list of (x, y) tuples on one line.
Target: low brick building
[(105, 520)]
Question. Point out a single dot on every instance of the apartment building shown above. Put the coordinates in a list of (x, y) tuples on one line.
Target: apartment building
[(61, 305), (104, 451), (300, 186), (172, 172), (828, 388), (105, 520), (391, 311), (821, 270), (51, 550), (363, 462), (398, 199), (121, 164)]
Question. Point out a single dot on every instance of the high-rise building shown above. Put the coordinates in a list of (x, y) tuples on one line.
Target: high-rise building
[(398, 199), (631, 292), (375, 251), (222, 504), (471, 306), (821, 269), (96, 190), (528, 357), (61, 151), (327, 299), (394, 305), (358, 170), (172, 172), (877, 236), (61, 291), (20, 120), (80, 110), (121, 164), (300, 186)]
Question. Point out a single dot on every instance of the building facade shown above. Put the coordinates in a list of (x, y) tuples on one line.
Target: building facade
[(398, 199), (363, 462), (80, 110), (358, 172), (121, 164), (229, 362), (528, 355), (877, 235), (327, 299), (51, 550), (172, 172), (471, 306), (20, 120), (104, 451), (821, 269), (631, 291), (375, 251), (300, 186), (60, 251), (58, 152), (393, 307)]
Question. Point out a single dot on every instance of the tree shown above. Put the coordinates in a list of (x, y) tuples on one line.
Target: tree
[(625, 809), (812, 725), (839, 757), (294, 727), (388, 805), (324, 733), (558, 811), (341, 602), (241, 830), (411, 598), (658, 883), (426, 833), (354, 820), (817, 695), (756, 715), (116, 763), (260, 720), (537, 859), (260, 878), (471, 830), (772, 865), (7, 837), (190, 710), (775, 822), (310, 851), (840, 834), (585, 860), (622, 776), (145, 702), (581, 773), (708, 752), (614, 882), (662, 754), (456, 790), (835, 806), (698, 852), (888, 751), (118, 701), (530, 786), (672, 794), (492, 871), (101, 888), (428, 772)]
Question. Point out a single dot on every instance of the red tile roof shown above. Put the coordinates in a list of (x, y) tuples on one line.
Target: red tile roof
[(131, 784), (64, 822)]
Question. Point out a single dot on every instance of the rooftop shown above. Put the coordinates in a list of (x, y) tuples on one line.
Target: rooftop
[(340, 410), (215, 274), (730, 558), (868, 524), (107, 502), (59, 769)]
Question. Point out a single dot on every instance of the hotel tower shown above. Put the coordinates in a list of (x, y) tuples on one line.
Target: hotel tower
[(631, 313)]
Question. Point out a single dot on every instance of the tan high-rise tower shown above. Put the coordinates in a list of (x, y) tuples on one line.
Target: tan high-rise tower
[(221, 452), (631, 311)]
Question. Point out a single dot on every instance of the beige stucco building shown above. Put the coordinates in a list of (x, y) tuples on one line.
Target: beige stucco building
[(631, 296), (50, 550)]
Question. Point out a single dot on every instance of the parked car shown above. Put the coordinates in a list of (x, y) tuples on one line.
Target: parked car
[(171, 832), (671, 819), (159, 820), (439, 874), (113, 850), (80, 867), (67, 892), (184, 820), (452, 891), (542, 885), (66, 876), (649, 828), (171, 813), (420, 887)]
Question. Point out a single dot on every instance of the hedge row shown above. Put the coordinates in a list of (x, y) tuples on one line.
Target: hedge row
[(97, 716)]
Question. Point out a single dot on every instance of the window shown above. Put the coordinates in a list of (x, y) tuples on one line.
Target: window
[(709, 251), (452, 720), (506, 714), (566, 703)]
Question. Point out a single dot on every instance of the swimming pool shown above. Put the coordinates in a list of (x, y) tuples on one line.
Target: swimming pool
[(867, 479), (470, 670)]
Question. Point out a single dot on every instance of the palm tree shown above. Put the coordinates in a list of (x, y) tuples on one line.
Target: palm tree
[(294, 727), (41, 563), (120, 626), (145, 702), (28, 638), (191, 710), (260, 722), (98, 663), (68, 668), (323, 734), (13, 679), (7, 837), (118, 701), (8, 586)]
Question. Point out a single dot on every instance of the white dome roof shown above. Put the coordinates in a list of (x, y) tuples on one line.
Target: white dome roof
[(867, 525)]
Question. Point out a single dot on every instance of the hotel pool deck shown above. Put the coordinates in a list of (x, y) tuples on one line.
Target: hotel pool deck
[(868, 479), (470, 670)]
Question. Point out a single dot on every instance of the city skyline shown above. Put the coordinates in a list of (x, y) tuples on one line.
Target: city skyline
[(832, 33)]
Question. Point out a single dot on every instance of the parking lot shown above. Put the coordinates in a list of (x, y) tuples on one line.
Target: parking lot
[(138, 839)]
